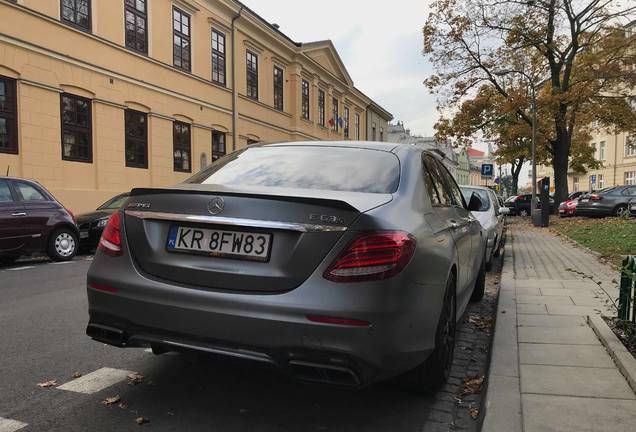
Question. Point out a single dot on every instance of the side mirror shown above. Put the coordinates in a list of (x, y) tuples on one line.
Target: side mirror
[(475, 203), (504, 211)]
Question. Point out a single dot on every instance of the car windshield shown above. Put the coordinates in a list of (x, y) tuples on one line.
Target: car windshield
[(114, 203), (306, 167), (482, 194)]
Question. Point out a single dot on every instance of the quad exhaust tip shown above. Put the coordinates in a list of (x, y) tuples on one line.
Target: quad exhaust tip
[(324, 373)]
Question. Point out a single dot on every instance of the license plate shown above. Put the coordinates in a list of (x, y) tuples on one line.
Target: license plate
[(585, 200), (84, 234), (220, 243)]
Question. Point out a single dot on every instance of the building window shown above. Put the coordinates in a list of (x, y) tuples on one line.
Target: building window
[(357, 126), (630, 146), (181, 39), (601, 181), (252, 75), (77, 13), (181, 146), (76, 114), (136, 125), (305, 100), (136, 25), (321, 107), (8, 116), (575, 181), (218, 57), (278, 88), (346, 122), (601, 151), (335, 114), (381, 134), (630, 178), (373, 132), (218, 145)]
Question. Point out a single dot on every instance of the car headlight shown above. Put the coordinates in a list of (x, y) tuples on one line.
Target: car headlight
[(102, 223)]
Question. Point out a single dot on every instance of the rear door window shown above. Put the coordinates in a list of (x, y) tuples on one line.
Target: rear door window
[(29, 193), (454, 190), (630, 191), (5, 192), (306, 167), (444, 197)]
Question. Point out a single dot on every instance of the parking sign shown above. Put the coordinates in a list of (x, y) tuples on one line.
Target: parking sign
[(593, 178), (487, 170)]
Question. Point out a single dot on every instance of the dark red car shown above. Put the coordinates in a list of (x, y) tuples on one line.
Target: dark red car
[(32, 220)]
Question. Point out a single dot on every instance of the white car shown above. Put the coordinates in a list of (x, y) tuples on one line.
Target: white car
[(491, 215)]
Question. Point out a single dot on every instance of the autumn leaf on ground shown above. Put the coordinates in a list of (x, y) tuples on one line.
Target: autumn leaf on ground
[(76, 375), (111, 400), (142, 420), (47, 384), (474, 413), (472, 385), (135, 378), (483, 323), (123, 406)]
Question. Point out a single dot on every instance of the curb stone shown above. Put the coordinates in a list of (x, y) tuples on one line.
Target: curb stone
[(619, 353), (503, 396)]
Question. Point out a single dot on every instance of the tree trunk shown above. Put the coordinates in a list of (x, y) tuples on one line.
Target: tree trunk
[(516, 171), (560, 165)]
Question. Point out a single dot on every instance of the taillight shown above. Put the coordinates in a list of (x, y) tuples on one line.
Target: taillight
[(595, 197), (373, 256), (110, 243)]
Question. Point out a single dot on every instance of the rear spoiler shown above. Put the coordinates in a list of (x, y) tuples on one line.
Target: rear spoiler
[(327, 202)]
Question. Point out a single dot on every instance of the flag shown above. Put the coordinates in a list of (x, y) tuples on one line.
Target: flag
[(340, 122), (331, 122)]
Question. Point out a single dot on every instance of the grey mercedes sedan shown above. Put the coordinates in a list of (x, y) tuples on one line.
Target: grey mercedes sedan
[(340, 262)]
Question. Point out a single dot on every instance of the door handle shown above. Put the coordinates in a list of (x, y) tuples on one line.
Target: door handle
[(19, 214)]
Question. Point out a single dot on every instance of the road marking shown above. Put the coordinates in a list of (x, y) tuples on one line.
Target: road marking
[(21, 268), (96, 381), (8, 425), (63, 262)]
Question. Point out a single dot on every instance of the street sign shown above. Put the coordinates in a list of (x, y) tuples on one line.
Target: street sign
[(487, 170), (593, 178)]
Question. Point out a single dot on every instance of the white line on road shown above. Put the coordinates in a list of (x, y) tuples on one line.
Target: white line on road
[(21, 268), (95, 381), (8, 425)]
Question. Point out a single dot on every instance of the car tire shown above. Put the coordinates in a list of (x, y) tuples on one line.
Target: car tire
[(621, 210), (63, 245), (500, 246), (435, 371), (480, 283), (8, 260)]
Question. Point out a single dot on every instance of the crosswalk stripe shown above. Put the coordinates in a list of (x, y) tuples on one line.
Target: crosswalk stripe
[(96, 381), (8, 425)]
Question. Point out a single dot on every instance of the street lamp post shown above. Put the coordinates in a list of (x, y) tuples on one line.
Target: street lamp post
[(533, 205)]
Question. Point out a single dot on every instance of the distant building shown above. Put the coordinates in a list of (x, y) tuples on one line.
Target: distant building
[(397, 133), (463, 166), (477, 158), (377, 122)]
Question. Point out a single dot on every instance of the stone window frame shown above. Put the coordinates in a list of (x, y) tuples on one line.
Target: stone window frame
[(187, 37), (179, 144), (73, 8), (9, 113), (76, 128), (132, 140), (217, 152), (251, 74), (278, 78), (305, 89), (219, 59), (130, 8)]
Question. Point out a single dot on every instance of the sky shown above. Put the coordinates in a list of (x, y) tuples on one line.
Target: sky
[(380, 45)]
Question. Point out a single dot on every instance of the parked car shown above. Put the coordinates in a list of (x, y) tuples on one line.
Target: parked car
[(32, 220), (92, 224), (491, 216), (612, 201), (568, 207), (341, 263), (520, 205)]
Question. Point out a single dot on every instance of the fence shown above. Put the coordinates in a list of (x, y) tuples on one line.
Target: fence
[(627, 298)]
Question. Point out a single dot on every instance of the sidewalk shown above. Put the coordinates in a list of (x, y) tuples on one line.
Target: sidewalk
[(549, 370)]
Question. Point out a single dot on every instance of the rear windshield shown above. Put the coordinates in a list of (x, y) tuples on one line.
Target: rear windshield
[(482, 194), (306, 167)]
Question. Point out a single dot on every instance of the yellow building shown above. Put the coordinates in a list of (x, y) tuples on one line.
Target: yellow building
[(97, 97)]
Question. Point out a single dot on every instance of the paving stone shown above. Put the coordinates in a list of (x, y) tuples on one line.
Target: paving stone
[(575, 381), (538, 283), (565, 355), (558, 335), (569, 414), (529, 291), (581, 284), (532, 309), (550, 321), (503, 393), (588, 301), (568, 292), (572, 310), (540, 300)]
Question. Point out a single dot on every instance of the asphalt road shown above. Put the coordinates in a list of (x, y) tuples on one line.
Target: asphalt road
[(43, 314)]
